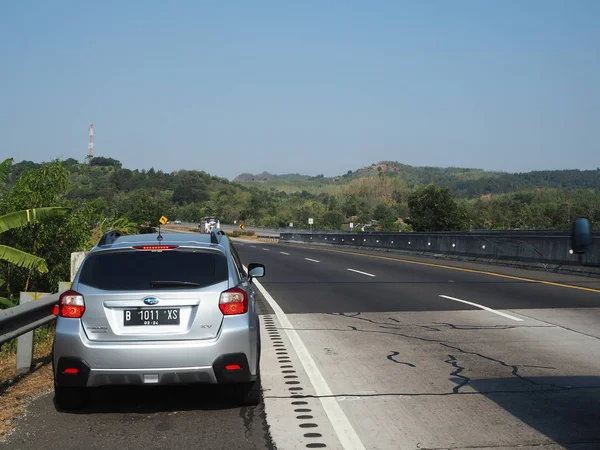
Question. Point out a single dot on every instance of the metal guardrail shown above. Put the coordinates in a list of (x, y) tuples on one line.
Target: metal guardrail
[(18, 320)]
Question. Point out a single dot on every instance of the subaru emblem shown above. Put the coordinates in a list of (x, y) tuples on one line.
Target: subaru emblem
[(150, 300)]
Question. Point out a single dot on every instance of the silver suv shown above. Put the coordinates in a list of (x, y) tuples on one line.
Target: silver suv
[(153, 310)]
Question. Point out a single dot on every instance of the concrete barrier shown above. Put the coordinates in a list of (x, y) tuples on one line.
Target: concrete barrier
[(547, 247), (76, 260), (25, 341)]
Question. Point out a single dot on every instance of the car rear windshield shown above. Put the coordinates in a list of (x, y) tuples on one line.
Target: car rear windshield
[(136, 269)]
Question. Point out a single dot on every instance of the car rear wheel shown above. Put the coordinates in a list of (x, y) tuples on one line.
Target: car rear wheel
[(70, 397)]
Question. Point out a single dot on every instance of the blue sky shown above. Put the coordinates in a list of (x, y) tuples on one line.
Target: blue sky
[(310, 87)]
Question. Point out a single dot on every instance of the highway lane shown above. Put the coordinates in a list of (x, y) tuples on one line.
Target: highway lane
[(411, 369), (301, 285)]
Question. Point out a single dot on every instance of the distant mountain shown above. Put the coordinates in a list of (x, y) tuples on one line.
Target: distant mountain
[(463, 182), (419, 175), (266, 176)]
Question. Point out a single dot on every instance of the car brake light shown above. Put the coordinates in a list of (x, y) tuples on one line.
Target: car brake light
[(155, 247), (233, 367), (70, 305), (71, 371), (233, 301)]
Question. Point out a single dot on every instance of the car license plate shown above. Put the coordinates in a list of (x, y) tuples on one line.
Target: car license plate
[(151, 317)]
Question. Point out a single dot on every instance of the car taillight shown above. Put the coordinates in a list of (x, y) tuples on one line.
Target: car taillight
[(70, 304), (155, 248), (233, 301)]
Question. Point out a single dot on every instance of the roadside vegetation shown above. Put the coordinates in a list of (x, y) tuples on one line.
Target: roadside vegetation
[(39, 228), (377, 197)]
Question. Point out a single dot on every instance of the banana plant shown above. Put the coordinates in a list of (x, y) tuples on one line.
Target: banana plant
[(122, 224), (20, 219), (5, 170), (4, 302)]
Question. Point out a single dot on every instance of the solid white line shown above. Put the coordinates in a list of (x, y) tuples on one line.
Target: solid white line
[(483, 307), (312, 260), (340, 423), (266, 250), (362, 273), (284, 253), (253, 246)]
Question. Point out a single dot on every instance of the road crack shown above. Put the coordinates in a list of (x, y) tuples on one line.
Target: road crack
[(452, 359), (465, 380), (560, 326), (393, 354), (514, 367), (437, 394), (489, 327)]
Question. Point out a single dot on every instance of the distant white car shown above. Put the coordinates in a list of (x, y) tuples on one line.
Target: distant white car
[(177, 222)]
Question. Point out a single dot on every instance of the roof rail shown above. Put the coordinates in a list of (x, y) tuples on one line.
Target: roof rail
[(109, 237), (215, 236)]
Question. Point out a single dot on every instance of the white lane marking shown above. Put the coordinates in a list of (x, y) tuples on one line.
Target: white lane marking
[(312, 260), (284, 253), (253, 246), (340, 423), (362, 273), (483, 307), (266, 250)]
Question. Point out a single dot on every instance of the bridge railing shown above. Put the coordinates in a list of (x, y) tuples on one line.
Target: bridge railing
[(547, 247)]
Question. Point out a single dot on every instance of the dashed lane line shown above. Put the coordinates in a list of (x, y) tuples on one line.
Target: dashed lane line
[(362, 273), (477, 305), (461, 269)]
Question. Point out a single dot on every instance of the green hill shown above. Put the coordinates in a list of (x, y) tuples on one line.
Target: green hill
[(463, 182), (266, 176)]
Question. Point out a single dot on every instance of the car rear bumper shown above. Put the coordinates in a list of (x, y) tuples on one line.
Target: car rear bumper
[(75, 372), (167, 362)]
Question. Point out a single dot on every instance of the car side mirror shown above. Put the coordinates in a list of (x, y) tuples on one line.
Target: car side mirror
[(256, 270), (581, 237)]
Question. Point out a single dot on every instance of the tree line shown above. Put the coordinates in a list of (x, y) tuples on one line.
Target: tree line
[(102, 194), (379, 202)]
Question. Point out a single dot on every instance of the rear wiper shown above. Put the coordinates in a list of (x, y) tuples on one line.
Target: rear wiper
[(157, 284)]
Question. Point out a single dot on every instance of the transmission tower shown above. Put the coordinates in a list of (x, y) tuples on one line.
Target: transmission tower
[(90, 154)]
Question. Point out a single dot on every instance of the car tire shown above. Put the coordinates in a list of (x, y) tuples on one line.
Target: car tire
[(70, 397), (248, 394)]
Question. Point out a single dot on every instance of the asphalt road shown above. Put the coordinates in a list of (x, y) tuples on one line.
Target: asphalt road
[(413, 366), (365, 350), (142, 418), (321, 280)]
